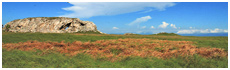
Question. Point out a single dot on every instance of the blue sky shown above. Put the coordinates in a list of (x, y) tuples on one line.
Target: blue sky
[(129, 17)]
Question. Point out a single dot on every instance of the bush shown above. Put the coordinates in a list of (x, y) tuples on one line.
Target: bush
[(7, 27), (164, 33), (89, 32)]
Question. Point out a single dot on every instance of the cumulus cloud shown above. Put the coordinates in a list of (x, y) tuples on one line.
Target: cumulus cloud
[(163, 25), (192, 31), (152, 27), (173, 26), (217, 30), (90, 9), (187, 31), (205, 31), (140, 20), (143, 27), (190, 27), (115, 28)]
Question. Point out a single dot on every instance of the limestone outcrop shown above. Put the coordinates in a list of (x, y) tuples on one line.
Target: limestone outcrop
[(50, 25)]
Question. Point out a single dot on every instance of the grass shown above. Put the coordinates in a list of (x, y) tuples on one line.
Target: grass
[(30, 59), (67, 37), (89, 32), (9, 37)]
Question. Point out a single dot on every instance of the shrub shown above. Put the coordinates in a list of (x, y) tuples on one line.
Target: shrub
[(164, 33), (7, 27)]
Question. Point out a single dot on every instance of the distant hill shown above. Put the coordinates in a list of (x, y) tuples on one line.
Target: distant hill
[(131, 34), (164, 33)]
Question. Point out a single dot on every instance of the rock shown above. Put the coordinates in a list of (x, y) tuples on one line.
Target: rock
[(101, 32), (51, 25)]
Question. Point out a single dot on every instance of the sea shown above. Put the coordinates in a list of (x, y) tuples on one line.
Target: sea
[(206, 34)]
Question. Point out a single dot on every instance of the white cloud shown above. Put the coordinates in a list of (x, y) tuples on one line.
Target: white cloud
[(173, 26), (143, 27), (187, 31), (115, 28), (90, 9), (190, 27), (225, 31), (147, 11), (217, 30), (140, 20), (192, 31), (205, 31), (152, 27), (163, 25)]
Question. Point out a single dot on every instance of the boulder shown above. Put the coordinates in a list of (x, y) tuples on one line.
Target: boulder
[(50, 25)]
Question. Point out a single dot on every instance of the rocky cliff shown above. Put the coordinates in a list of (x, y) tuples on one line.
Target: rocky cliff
[(50, 25)]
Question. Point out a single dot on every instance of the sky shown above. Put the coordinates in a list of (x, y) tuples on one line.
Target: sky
[(130, 17)]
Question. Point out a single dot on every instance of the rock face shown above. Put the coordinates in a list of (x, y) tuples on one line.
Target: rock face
[(50, 25)]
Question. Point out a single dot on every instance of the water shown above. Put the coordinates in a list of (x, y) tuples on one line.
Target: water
[(201, 34), (206, 34)]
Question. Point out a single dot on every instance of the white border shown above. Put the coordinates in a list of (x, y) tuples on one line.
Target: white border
[(112, 1), (1, 33), (115, 0)]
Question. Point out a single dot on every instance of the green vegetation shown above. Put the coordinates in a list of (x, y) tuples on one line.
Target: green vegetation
[(131, 34), (10, 37), (7, 28), (167, 34), (116, 51), (88, 32), (28, 59)]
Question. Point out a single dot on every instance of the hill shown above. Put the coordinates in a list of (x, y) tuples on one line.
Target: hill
[(169, 34)]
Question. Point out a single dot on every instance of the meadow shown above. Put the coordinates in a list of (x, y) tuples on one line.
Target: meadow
[(93, 50)]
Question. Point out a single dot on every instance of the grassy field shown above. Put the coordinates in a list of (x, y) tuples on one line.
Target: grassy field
[(52, 59)]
